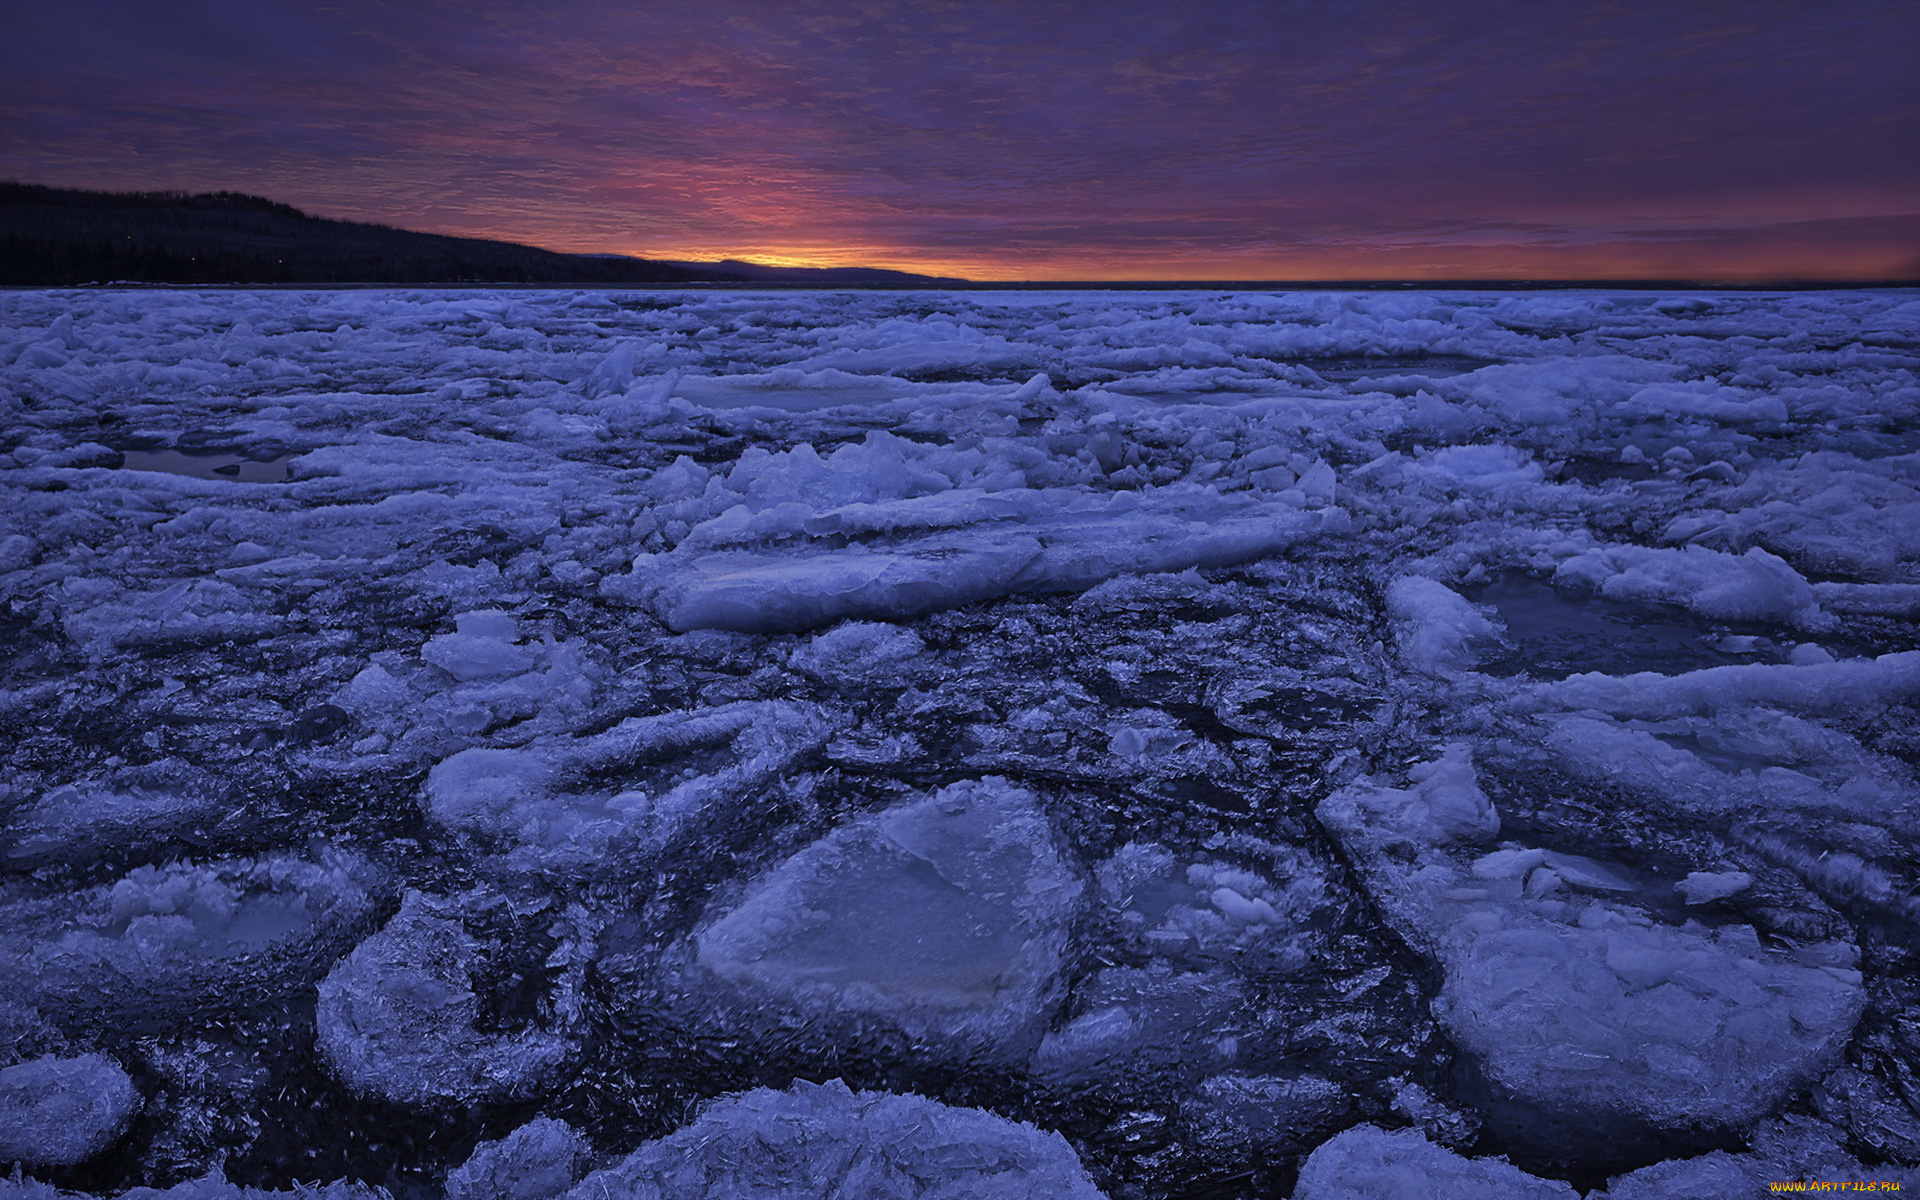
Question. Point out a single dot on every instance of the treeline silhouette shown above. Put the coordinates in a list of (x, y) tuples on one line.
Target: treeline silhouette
[(60, 236)]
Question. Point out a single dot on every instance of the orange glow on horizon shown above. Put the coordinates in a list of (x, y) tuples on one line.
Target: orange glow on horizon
[(1760, 263)]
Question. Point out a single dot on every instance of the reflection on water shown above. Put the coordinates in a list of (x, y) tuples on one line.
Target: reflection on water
[(208, 466), (1555, 634)]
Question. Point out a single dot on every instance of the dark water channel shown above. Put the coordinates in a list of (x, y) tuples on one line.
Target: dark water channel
[(1556, 634)]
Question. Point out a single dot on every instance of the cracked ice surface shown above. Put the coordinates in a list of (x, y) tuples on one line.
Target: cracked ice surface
[(515, 744)]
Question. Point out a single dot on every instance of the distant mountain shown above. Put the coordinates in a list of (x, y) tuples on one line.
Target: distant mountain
[(855, 276), (59, 236)]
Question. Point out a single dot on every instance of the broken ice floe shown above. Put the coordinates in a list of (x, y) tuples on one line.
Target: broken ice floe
[(909, 541), (1582, 1009), (538, 1161), (173, 943), (533, 808), (413, 1013), (1369, 1163), (55, 1112), (826, 1140), (943, 918)]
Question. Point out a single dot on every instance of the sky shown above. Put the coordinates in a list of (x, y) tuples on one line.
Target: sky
[(1194, 140)]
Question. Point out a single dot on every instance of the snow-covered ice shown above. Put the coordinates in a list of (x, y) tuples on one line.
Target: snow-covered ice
[(946, 916), (514, 744), (827, 1140), (56, 1112)]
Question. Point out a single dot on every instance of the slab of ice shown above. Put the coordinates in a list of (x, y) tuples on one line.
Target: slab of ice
[(1370, 1163), (1704, 887), (400, 1018), (1435, 624), (945, 916), (519, 804), (1043, 543), (165, 943), (1809, 686), (1792, 1150), (481, 647), (825, 1140), (538, 1161), (55, 1112), (1755, 586), (76, 822), (1580, 1008)]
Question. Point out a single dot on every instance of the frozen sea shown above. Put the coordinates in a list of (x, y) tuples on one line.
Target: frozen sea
[(556, 745)]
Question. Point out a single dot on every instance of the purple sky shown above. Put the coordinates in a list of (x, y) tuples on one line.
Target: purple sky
[(1021, 140)]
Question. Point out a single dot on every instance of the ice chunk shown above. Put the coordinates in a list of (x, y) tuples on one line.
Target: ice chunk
[(676, 766), (1582, 1011), (1435, 624), (490, 792), (1369, 1163), (825, 1140), (481, 647), (1704, 887), (1445, 805), (1755, 586), (860, 651), (399, 1017), (1025, 540), (538, 1161), (1796, 1151), (1613, 1018), (175, 942), (55, 1112), (946, 916)]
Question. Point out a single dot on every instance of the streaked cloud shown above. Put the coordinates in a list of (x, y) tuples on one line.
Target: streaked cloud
[(1019, 139)]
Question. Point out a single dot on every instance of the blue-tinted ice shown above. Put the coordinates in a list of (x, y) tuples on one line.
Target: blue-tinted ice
[(524, 745)]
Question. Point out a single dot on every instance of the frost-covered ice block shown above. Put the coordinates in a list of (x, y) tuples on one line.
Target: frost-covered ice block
[(1369, 1163), (944, 917), (1199, 927), (1727, 740), (55, 1112), (399, 1018), (207, 1187), (517, 802), (1434, 624), (538, 1161), (1821, 686), (174, 941), (481, 647), (1785, 1149), (77, 821), (1015, 541), (1580, 1009), (826, 1140), (1755, 586)]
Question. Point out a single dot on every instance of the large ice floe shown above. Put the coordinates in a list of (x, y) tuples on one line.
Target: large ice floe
[(1586, 1014), (946, 918), (526, 745)]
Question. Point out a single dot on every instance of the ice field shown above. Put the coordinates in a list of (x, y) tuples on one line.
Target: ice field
[(554, 745)]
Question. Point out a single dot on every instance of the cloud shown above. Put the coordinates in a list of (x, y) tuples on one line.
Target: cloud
[(922, 132)]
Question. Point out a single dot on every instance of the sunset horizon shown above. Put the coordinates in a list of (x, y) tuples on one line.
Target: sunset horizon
[(1022, 144)]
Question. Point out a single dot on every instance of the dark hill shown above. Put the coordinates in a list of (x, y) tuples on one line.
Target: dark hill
[(59, 236), (879, 277)]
